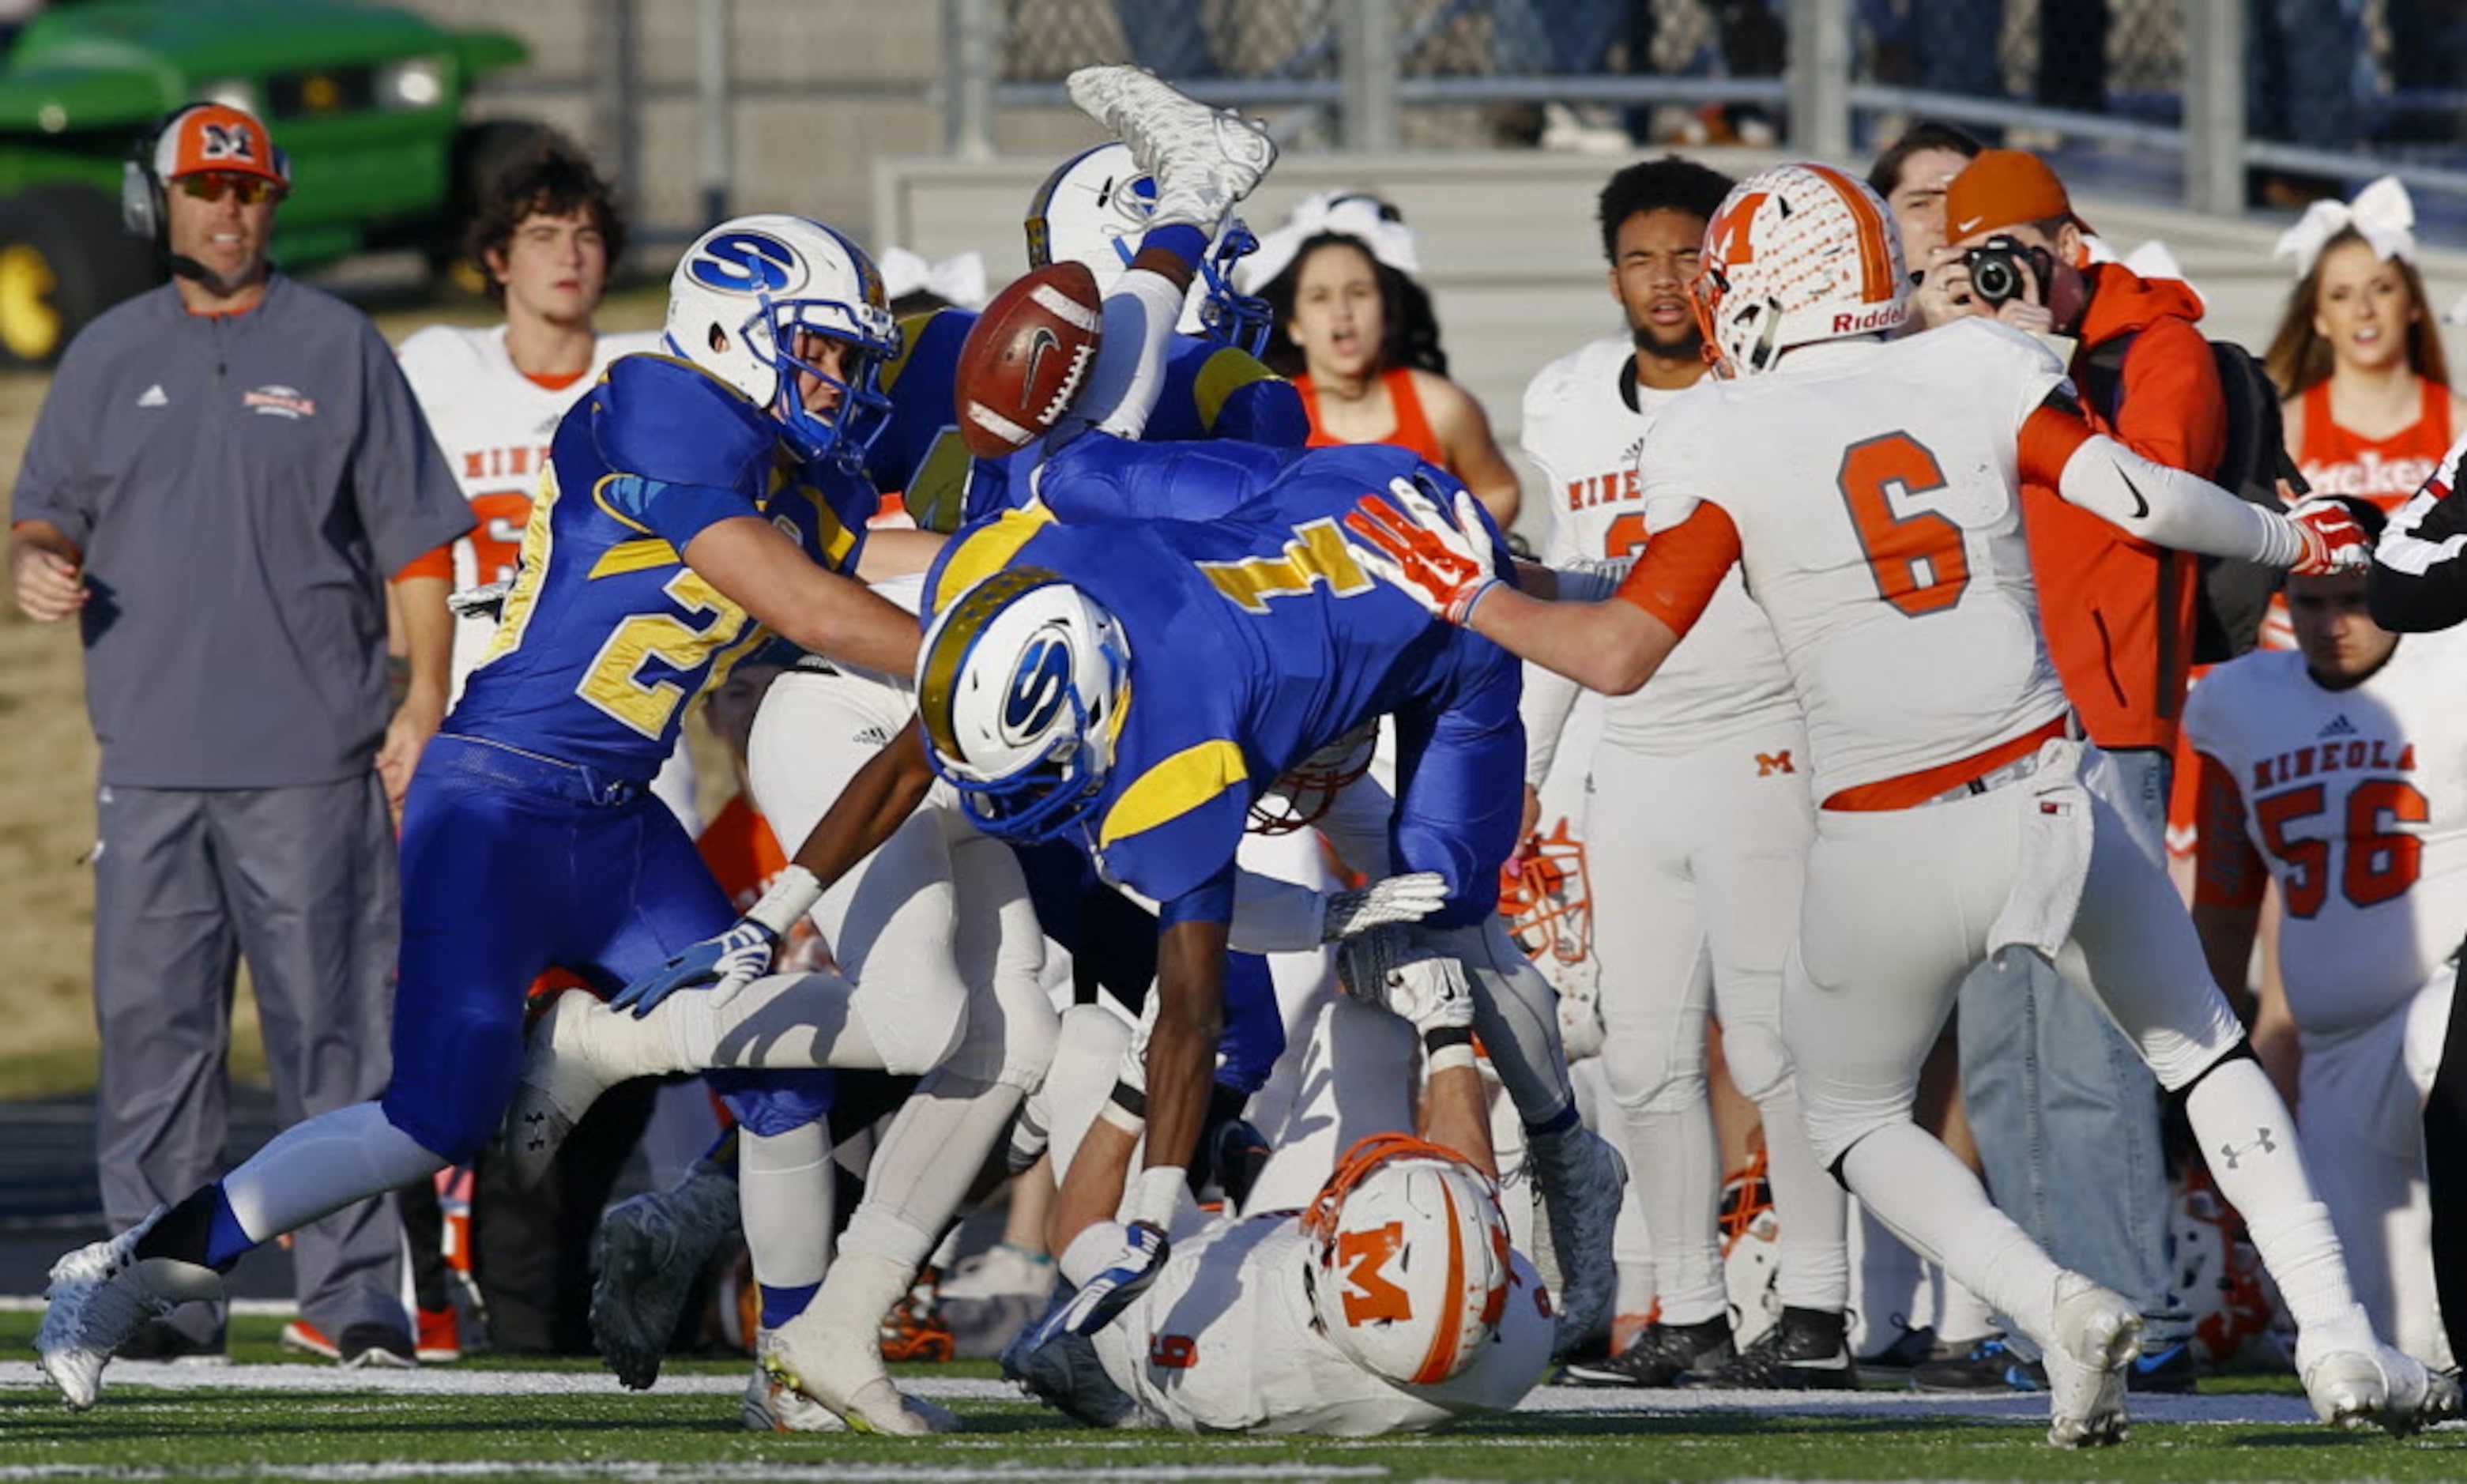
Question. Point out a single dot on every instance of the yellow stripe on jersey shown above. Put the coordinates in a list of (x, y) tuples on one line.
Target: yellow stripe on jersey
[(531, 569), (985, 551), (638, 555), (1220, 376), (1172, 789), (1317, 553), (912, 329)]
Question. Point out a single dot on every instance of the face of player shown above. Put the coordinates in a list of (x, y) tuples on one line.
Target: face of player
[(1338, 319), (2361, 304), (554, 268), (2340, 642), (1917, 200), (212, 225), (834, 359), (1656, 254)]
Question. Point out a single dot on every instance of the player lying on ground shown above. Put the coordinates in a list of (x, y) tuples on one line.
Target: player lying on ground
[(1394, 1304), (1957, 818)]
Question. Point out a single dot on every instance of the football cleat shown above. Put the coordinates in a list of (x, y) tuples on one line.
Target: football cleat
[(100, 1296), (831, 1352), (1581, 1178), (1658, 1356), (439, 1335), (2379, 1388), (2095, 1335), (651, 1252), (773, 1406), (1064, 1373), (1204, 159), (1804, 1349)]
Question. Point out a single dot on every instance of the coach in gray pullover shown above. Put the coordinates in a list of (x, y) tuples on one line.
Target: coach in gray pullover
[(227, 472)]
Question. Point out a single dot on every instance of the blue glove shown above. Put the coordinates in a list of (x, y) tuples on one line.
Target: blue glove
[(727, 963), (1125, 1277)]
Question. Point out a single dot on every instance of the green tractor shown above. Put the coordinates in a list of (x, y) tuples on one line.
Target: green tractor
[(367, 101)]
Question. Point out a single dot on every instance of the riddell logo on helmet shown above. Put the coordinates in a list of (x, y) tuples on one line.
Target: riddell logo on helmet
[(1867, 320)]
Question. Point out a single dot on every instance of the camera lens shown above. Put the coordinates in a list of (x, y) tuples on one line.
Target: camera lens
[(1994, 279)]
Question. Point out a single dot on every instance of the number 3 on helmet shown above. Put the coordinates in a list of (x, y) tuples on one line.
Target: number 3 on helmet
[(1797, 254)]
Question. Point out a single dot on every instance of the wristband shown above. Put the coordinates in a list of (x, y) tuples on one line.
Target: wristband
[(1126, 1109), (790, 897), (1446, 1047), (1154, 1193)]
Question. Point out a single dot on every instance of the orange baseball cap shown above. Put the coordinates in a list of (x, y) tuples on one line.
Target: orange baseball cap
[(218, 137), (2003, 188)]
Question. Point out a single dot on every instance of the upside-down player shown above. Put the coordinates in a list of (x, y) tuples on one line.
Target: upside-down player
[(1953, 818)]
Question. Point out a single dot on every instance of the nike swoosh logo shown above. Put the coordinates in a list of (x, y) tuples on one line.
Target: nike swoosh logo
[(1963, 228), (2140, 507), (1040, 342)]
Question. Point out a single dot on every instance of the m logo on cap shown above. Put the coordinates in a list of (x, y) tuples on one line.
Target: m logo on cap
[(225, 143)]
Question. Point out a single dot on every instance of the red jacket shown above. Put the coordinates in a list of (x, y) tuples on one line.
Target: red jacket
[(2119, 612)]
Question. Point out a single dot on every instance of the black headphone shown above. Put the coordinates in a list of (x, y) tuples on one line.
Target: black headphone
[(141, 209)]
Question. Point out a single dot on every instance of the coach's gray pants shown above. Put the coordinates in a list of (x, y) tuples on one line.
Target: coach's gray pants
[(302, 882)]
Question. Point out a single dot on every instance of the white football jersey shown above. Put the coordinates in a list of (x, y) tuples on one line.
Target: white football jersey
[(2357, 801), (1225, 1341), (1727, 675), (494, 424), (1874, 486)]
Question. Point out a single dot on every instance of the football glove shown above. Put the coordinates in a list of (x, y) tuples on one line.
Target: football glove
[(2333, 541), (735, 959), (1121, 1279), (1392, 899), (1443, 565), (1364, 959), (1431, 993)]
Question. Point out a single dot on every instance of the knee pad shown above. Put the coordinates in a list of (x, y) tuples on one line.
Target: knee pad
[(1758, 1062), (1652, 1079), (919, 1023), (1010, 1043)]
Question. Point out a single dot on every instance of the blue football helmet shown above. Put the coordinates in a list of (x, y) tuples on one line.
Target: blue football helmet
[(1094, 210)]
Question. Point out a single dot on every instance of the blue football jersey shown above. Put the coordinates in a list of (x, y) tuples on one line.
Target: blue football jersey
[(1211, 390), (1255, 639), (607, 635)]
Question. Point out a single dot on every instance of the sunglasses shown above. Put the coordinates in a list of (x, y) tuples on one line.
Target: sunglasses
[(212, 186)]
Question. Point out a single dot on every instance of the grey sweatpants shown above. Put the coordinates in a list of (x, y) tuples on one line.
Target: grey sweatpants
[(302, 882)]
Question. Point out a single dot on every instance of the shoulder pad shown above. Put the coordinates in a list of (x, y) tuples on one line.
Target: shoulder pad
[(930, 340), (669, 421)]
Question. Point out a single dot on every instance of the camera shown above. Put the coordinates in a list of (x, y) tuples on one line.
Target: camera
[(1996, 270)]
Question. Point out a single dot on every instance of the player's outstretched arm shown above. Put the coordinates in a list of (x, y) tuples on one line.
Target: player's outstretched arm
[(767, 574), (2419, 574), (898, 553)]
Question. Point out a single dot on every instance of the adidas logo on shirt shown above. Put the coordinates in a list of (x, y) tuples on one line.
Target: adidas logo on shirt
[(152, 396), (2339, 726)]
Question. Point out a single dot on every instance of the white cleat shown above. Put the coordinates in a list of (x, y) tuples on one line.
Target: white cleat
[(1581, 1178), (580, 1050), (1204, 159), (832, 1352), (771, 1407), (100, 1296), (2379, 1388), (649, 1252), (2095, 1334)]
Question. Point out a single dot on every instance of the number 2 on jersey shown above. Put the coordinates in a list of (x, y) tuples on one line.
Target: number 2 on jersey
[(1917, 559)]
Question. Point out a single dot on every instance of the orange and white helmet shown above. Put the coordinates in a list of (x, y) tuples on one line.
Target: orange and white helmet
[(1797, 254), (1547, 896), (1305, 793), (1409, 1262)]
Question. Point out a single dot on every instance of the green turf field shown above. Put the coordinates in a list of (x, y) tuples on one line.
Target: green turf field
[(487, 1419)]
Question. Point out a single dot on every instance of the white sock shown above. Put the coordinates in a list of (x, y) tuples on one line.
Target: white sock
[(1916, 1188), (1673, 1180), (1961, 1314), (937, 1143), (2248, 1141), (1140, 314), (781, 1022), (320, 1165), (785, 1192), (1813, 1209)]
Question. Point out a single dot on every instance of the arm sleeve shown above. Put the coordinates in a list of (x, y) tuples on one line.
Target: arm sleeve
[(2418, 579), (405, 490), (2148, 500), (1683, 567)]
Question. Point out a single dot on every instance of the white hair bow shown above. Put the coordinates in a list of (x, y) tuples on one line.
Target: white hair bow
[(960, 280), (2381, 214), (1345, 213)]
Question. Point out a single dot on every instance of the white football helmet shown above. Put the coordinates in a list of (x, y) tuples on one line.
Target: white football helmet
[(1796, 254), (1408, 1259), (742, 291), (1305, 793), (1021, 683), (1094, 210)]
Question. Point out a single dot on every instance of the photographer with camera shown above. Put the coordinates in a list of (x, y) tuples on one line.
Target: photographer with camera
[(2060, 1106)]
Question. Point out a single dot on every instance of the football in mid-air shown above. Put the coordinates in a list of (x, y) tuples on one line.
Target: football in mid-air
[(1029, 358)]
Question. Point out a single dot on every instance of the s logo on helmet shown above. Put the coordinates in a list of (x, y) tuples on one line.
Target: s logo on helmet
[(1038, 685), (745, 263)]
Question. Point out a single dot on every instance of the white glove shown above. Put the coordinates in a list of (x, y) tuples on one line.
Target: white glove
[(1392, 899), (1431, 993), (1406, 541)]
